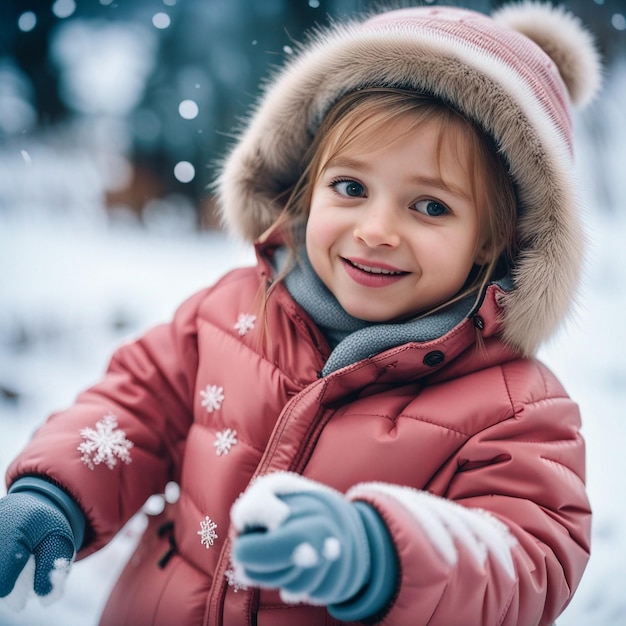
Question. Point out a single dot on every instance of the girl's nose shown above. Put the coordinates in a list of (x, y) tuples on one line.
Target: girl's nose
[(378, 226)]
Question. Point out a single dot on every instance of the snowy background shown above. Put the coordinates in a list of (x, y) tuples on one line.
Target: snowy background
[(78, 276)]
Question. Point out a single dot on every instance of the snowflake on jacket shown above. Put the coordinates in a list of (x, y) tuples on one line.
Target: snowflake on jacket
[(224, 441), (212, 397), (245, 323), (207, 532), (106, 444)]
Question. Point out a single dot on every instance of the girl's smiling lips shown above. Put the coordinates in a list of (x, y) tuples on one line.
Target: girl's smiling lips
[(371, 274)]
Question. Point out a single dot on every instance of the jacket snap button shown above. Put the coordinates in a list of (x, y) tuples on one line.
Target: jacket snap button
[(479, 322), (434, 358)]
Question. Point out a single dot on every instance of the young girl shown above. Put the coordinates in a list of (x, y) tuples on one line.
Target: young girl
[(358, 425)]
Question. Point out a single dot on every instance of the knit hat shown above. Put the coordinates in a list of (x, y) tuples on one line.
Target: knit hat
[(515, 74)]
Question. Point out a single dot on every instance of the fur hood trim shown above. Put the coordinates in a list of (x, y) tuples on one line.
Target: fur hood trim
[(515, 74)]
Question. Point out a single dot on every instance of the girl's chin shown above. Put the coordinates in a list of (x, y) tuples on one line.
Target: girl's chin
[(366, 314)]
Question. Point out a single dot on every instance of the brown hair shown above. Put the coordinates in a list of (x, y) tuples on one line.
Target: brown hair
[(363, 120)]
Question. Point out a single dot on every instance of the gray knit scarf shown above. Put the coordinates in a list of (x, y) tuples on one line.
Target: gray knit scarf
[(352, 339)]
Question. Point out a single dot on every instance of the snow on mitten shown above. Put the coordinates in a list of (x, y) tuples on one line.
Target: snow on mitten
[(314, 545), (36, 550)]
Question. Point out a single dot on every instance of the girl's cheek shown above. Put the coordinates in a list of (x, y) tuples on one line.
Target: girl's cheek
[(320, 227)]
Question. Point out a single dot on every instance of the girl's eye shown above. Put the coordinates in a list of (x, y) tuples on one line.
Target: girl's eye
[(432, 208), (349, 188)]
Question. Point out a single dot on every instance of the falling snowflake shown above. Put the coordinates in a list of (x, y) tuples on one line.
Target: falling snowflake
[(224, 441), (207, 532), (245, 322), (232, 581), (106, 444), (212, 397)]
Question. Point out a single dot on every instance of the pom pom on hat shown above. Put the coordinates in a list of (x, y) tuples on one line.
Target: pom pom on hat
[(562, 36)]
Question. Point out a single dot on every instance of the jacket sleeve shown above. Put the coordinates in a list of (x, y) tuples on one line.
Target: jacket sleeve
[(506, 540), (123, 438)]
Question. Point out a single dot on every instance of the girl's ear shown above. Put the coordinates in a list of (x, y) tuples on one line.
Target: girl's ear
[(484, 253)]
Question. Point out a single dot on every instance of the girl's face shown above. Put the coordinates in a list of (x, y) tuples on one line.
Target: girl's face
[(387, 234)]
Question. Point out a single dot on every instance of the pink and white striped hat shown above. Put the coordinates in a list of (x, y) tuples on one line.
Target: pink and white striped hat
[(516, 74)]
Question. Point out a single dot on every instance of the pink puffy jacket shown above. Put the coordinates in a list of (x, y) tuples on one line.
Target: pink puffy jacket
[(472, 457)]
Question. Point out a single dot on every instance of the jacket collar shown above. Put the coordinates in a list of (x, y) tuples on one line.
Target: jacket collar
[(457, 353)]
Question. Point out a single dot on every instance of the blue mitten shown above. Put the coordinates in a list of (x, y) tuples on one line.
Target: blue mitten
[(37, 548), (314, 545)]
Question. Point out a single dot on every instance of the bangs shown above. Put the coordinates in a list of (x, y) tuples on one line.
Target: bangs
[(375, 130), (376, 119)]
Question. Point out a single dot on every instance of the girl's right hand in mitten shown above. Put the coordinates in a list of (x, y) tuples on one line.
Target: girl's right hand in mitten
[(36, 550), (314, 545)]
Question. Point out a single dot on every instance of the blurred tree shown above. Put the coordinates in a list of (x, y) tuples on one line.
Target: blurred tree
[(27, 30), (210, 58), (29, 49)]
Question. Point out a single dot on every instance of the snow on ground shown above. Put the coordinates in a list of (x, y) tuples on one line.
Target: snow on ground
[(71, 292)]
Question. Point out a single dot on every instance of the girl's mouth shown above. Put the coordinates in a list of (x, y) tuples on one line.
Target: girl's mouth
[(372, 275), (374, 270)]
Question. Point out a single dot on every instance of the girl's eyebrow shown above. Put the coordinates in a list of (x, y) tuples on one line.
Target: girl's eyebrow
[(348, 163), (435, 182), (438, 183)]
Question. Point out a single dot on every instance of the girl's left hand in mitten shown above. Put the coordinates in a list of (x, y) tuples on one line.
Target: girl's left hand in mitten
[(314, 545), (37, 548)]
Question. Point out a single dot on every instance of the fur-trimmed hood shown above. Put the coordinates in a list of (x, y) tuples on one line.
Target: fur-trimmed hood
[(515, 74)]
